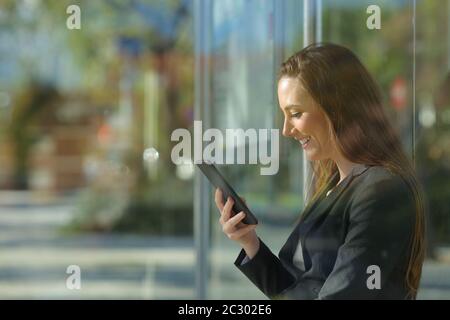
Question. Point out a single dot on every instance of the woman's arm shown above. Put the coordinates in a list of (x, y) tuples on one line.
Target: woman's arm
[(261, 266), (266, 271), (251, 248)]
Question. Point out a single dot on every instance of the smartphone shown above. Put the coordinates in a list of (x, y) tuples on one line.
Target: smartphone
[(217, 180)]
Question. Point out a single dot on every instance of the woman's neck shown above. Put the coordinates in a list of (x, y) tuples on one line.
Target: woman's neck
[(344, 167)]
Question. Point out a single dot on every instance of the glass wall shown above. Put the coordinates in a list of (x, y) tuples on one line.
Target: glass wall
[(249, 40), (87, 185), (432, 138), (408, 56), (409, 59), (92, 205)]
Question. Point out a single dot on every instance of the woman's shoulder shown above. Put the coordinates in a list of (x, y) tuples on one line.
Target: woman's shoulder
[(379, 175), (380, 184), (384, 196)]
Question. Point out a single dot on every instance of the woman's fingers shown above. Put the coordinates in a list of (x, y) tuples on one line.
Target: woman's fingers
[(226, 211), (230, 225), (241, 232), (233, 226), (219, 199), (237, 218)]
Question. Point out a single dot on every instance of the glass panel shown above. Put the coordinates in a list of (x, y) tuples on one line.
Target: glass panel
[(250, 38), (421, 116), (388, 55), (78, 107), (433, 139), (86, 176)]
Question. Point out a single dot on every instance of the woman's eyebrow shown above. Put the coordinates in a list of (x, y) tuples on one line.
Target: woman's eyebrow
[(292, 106)]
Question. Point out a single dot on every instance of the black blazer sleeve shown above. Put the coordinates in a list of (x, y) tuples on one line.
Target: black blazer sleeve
[(381, 220), (266, 271)]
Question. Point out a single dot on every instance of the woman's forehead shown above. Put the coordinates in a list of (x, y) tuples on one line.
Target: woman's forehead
[(293, 92)]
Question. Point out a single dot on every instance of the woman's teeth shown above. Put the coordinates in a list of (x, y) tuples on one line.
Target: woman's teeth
[(305, 140)]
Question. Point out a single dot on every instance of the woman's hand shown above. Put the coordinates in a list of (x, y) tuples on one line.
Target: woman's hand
[(236, 230)]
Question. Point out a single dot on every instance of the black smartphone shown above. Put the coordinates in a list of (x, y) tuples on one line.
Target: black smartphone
[(217, 180)]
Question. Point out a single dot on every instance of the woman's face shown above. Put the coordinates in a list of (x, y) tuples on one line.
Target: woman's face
[(304, 120)]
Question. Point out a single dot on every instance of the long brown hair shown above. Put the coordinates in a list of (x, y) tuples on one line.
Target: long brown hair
[(352, 103)]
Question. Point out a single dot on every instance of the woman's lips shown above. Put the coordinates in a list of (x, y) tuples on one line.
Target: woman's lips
[(305, 142)]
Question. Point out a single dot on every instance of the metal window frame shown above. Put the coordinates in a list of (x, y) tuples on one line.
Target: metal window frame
[(202, 106), (312, 32)]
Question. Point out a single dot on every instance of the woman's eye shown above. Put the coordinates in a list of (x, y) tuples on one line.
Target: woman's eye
[(296, 115)]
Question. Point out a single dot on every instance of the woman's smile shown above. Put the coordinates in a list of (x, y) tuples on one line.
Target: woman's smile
[(304, 142)]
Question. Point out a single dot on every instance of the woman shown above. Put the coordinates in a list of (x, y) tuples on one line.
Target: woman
[(361, 235)]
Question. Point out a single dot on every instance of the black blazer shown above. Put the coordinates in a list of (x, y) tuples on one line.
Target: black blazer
[(366, 220)]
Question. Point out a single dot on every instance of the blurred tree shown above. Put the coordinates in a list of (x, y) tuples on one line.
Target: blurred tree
[(23, 130)]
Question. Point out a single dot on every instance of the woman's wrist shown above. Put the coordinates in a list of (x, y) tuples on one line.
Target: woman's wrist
[(251, 248)]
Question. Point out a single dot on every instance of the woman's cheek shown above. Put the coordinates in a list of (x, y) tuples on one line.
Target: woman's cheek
[(305, 125), (302, 124)]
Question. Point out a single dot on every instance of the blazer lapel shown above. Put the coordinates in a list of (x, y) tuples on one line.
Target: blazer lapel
[(310, 216), (324, 203), (333, 180), (293, 245)]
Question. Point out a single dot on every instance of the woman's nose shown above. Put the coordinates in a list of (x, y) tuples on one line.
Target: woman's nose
[(287, 129)]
